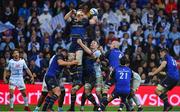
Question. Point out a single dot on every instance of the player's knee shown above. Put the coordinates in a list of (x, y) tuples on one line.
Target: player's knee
[(23, 93), (57, 91), (157, 92), (74, 89)]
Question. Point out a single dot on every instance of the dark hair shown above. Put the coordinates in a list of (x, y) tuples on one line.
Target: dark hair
[(164, 50), (124, 60)]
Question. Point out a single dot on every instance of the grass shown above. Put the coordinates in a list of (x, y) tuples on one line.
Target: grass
[(87, 108)]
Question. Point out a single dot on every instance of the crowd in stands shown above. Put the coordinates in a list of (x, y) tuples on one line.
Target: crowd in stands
[(141, 26)]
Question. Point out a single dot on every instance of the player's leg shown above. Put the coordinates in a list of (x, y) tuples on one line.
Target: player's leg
[(11, 99), (87, 89), (12, 86), (133, 98), (42, 97), (74, 89), (52, 85), (23, 92), (83, 100), (104, 102), (22, 88), (61, 99), (99, 85), (162, 89), (124, 102), (40, 100)]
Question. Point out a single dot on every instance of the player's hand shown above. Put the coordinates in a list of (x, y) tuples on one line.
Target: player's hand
[(74, 62), (73, 11), (5, 81), (32, 80), (79, 41), (150, 73)]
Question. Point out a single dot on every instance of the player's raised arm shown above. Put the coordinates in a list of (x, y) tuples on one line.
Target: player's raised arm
[(86, 49), (69, 14), (160, 68)]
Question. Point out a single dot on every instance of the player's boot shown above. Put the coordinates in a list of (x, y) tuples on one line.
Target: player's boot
[(82, 109), (96, 108), (71, 110), (167, 107), (120, 110), (60, 110), (26, 108), (11, 110), (140, 109)]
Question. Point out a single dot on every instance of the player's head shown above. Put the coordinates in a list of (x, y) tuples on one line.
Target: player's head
[(15, 53), (58, 50), (94, 44), (79, 14), (163, 52), (124, 61), (114, 44)]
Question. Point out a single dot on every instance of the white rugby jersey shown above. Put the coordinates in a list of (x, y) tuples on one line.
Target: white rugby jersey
[(16, 68)]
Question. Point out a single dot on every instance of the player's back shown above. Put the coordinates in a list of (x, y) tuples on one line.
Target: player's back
[(114, 56), (54, 68), (122, 77), (171, 67), (16, 67)]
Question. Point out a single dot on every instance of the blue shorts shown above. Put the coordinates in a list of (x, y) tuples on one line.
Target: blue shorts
[(123, 96), (51, 82), (169, 83)]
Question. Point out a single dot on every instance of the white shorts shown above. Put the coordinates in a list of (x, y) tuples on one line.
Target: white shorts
[(16, 82), (135, 85), (44, 86)]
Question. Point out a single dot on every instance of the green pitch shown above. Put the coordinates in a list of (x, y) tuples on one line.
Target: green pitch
[(87, 108)]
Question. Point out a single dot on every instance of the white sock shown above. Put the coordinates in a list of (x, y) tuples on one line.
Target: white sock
[(25, 101), (12, 102), (59, 108), (37, 108), (136, 100)]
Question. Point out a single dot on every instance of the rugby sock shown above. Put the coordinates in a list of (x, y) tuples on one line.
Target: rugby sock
[(25, 101), (53, 98), (130, 101), (103, 104), (83, 99), (46, 103), (136, 100), (37, 108), (92, 99), (12, 102), (73, 100), (164, 97), (61, 99)]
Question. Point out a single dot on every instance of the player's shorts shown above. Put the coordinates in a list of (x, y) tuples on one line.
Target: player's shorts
[(16, 82), (51, 82), (74, 45), (135, 85), (121, 95), (167, 84), (89, 76)]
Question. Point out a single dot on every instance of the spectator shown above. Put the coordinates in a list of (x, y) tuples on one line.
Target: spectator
[(170, 6), (33, 43), (174, 34), (24, 12), (175, 50), (45, 17)]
